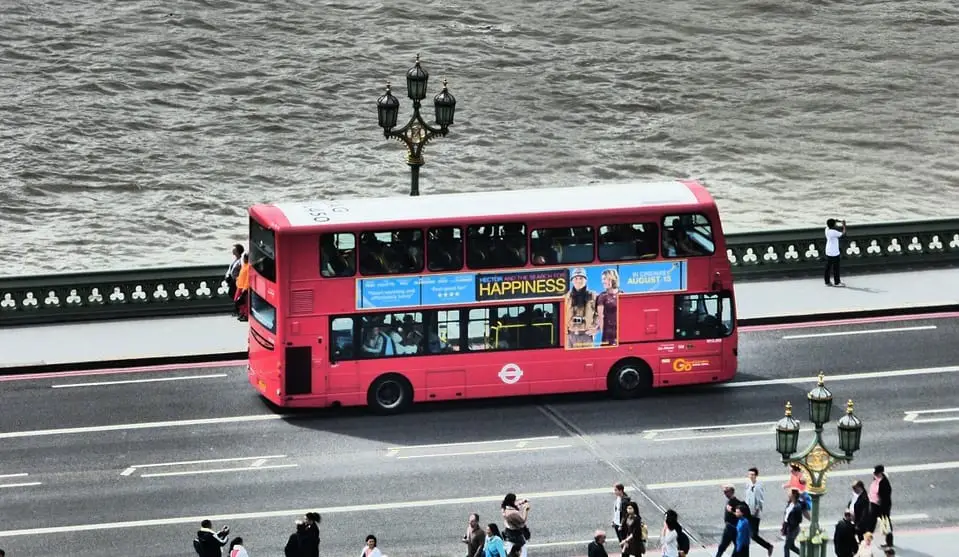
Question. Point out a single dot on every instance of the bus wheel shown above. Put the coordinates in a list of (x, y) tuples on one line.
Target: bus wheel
[(390, 394), (629, 378)]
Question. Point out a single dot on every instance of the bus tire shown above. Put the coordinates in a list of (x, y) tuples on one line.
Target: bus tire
[(629, 378), (390, 394)]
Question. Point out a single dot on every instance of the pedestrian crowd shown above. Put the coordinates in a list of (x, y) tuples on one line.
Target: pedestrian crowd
[(866, 516)]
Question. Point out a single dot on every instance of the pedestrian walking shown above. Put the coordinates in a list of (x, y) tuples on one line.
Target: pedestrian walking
[(834, 231), (729, 519), (241, 299), (296, 541), (669, 536), (209, 543), (516, 531), (880, 502), (743, 532), (371, 549), (867, 549), (755, 497), (236, 548), (310, 539), (597, 547), (475, 537), (233, 271), (633, 543), (494, 546), (792, 519), (845, 541), (619, 509), (859, 507), (671, 522)]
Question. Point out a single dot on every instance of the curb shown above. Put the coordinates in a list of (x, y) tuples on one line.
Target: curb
[(846, 315)]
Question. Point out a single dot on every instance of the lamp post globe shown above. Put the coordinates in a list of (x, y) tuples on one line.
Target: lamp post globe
[(820, 402), (850, 431), (387, 108), (416, 78), (787, 433), (445, 104)]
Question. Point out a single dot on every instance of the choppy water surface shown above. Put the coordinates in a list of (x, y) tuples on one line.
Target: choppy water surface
[(136, 133)]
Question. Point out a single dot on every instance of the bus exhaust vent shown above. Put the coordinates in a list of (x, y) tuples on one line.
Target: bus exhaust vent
[(302, 302)]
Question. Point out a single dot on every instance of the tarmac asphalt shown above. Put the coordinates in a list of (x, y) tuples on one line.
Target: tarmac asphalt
[(129, 463)]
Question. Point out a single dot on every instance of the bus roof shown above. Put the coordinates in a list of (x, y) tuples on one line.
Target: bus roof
[(494, 204)]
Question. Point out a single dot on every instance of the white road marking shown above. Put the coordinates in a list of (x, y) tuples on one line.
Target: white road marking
[(266, 417), (713, 436), (257, 459), (143, 425), (258, 463), (20, 475), (913, 416), (836, 473), (360, 508), (24, 484), (135, 381), (492, 451), (217, 471), (470, 443), (708, 427), (844, 377), (866, 332)]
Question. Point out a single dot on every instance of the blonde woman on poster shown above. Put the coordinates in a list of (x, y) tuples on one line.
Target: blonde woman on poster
[(582, 320), (607, 305)]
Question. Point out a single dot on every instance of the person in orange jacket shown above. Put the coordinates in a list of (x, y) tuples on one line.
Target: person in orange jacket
[(242, 298)]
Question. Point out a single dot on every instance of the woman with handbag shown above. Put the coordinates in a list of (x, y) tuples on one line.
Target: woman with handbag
[(632, 544), (515, 532)]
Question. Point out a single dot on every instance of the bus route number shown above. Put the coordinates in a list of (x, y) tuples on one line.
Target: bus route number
[(322, 213)]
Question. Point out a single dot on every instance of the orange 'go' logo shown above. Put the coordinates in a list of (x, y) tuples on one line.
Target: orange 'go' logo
[(681, 364)]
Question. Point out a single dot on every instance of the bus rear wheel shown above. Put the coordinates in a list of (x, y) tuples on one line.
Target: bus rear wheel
[(629, 378), (390, 394)]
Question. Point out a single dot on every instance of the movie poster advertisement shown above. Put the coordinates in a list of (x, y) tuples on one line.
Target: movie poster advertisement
[(591, 307)]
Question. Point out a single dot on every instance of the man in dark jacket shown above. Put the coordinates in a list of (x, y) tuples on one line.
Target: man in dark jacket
[(208, 542), (730, 519), (597, 547), (859, 504), (310, 542), (882, 507), (844, 538)]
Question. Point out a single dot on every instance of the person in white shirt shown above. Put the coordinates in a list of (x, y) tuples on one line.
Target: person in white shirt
[(833, 234), (619, 509), (237, 549)]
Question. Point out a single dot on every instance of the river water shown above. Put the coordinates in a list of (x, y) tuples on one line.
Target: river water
[(136, 133)]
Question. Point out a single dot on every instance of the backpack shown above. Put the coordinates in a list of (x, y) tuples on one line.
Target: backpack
[(682, 540)]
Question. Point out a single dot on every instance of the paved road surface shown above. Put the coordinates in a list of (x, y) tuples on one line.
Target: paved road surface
[(95, 467)]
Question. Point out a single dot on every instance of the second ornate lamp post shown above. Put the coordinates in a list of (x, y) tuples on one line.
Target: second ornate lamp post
[(416, 133), (817, 460)]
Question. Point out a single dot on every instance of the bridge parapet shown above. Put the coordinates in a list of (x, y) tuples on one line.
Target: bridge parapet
[(198, 290)]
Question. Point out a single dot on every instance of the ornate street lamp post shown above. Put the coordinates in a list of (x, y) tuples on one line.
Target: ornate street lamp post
[(416, 133), (817, 460)]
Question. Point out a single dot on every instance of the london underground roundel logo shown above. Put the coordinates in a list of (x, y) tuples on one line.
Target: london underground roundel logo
[(510, 374)]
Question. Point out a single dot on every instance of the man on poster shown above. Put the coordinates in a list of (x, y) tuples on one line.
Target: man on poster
[(582, 320)]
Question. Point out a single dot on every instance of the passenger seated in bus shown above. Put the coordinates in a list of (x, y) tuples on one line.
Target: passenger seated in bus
[(334, 263), (373, 257), (409, 252), (445, 251), (438, 345), (513, 244), (378, 343), (403, 345)]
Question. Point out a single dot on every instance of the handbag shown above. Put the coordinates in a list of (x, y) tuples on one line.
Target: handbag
[(526, 532)]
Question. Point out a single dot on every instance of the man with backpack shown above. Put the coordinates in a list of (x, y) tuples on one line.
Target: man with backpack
[(208, 542)]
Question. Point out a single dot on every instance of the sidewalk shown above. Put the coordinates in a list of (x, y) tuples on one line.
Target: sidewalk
[(221, 334)]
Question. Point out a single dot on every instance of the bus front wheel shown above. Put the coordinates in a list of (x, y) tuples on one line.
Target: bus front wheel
[(629, 378), (390, 394)]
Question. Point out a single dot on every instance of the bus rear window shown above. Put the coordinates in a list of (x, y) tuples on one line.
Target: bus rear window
[(263, 251), (262, 312)]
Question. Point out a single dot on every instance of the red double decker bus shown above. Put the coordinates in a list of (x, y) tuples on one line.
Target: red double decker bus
[(386, 302)]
